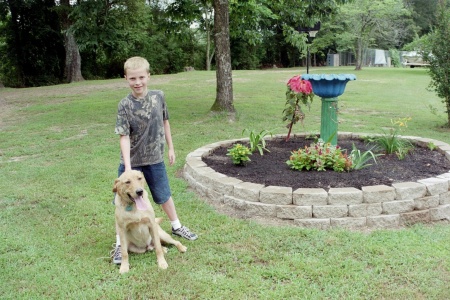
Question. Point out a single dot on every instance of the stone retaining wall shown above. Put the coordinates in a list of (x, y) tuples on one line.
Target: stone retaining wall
[(378, 206)]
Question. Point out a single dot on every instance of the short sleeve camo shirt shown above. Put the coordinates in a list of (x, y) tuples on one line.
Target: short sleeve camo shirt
[(142, 120)]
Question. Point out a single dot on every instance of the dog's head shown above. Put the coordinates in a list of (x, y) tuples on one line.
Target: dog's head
[(130, 188)]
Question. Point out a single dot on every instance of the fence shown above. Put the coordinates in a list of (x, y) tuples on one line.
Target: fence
[(371, 58)]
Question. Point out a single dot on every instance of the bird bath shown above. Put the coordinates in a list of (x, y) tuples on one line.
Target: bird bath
[(329, 87)]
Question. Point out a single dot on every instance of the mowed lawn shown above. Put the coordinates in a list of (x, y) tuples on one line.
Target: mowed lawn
[(59, 158)]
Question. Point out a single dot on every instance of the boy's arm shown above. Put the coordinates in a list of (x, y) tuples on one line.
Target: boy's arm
[(168, 136), (125, 149)]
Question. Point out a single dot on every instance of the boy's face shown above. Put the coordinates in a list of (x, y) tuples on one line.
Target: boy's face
[(137, 80)]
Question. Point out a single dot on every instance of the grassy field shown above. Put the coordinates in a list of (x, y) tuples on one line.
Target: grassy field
[(58, 161)]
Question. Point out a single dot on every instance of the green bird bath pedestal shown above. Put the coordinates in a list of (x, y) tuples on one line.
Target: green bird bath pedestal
[(329, 87)]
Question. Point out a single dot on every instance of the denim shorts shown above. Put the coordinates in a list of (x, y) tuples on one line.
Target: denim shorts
[(157, 181)]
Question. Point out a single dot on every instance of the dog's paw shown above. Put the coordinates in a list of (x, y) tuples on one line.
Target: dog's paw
[(124, 268), (182, 248), (163, 265), (165, 250)]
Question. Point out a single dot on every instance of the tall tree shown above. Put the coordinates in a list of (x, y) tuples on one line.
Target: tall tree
[(72, 66), (207, 13), (424, 13), (291, 14), (107, 32), (439, 57), (249, 27), (35, 55), (284, 21), (224, 89), (364, 20), (185, 13)]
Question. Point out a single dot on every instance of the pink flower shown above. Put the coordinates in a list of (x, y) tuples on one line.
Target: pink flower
[(298, 92), (298, 85)]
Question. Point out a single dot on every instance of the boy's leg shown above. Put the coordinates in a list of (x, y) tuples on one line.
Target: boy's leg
[(177, 228), (169, 209), (158, 183)]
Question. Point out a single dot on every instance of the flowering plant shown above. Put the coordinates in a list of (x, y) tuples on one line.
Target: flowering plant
[(320, 156), (391, 142), (298, 90), (239, 154)]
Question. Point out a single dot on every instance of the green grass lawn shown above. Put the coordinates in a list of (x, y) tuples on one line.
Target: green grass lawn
[(58, 162)]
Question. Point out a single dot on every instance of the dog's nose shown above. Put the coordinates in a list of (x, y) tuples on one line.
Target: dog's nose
[(139, 192)]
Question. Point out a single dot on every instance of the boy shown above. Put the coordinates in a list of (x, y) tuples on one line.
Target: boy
[(143, 126)]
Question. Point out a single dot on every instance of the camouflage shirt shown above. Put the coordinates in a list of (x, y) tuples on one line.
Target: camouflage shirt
[(142, 120)]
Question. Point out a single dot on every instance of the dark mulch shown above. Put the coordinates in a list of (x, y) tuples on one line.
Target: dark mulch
[(271, 168)]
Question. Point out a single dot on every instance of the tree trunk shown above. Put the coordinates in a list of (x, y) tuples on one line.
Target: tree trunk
[(207, 14), (72, 67), (208, 48), (359, 55), (14, 7), (224, 90), (447, 103), (211, 56), (72, 70)]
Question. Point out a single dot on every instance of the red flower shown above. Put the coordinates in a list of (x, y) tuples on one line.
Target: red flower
[(298, 85), (298, 92)]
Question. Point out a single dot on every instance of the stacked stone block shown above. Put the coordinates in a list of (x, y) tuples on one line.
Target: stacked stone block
[(374, 207)]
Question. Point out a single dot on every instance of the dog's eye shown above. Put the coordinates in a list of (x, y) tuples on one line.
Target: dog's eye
[(139, 178), (128, 182)]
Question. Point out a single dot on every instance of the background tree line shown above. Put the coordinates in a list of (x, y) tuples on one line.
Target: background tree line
[(45, 42)]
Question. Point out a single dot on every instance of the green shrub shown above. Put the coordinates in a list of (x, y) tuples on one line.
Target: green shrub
[(239, 154), (431, 146), (320, 156), (257, 141), (391, 142), (360, 159), (395, 58)]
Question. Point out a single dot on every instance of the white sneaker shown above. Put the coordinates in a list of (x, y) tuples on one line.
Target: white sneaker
[(184, 232), (116, 255)]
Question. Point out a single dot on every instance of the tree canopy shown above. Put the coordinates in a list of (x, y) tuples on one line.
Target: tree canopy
[(38, 36), (367, 23), (32, 52), (439, 55)]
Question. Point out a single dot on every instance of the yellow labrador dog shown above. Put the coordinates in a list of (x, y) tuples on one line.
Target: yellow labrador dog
[(135, 218)]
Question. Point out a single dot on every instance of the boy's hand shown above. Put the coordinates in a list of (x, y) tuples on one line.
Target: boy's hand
[(171, 154)]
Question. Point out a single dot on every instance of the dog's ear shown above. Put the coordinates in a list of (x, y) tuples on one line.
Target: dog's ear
[(158, 220), (116, 183)]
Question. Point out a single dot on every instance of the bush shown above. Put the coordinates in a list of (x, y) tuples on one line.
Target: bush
[(395, 57), (257, 141), (320, 156), (239, 154), (360, 159), (390, 142)]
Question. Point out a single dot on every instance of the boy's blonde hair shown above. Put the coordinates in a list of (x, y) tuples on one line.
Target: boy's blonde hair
[(136, 62)]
